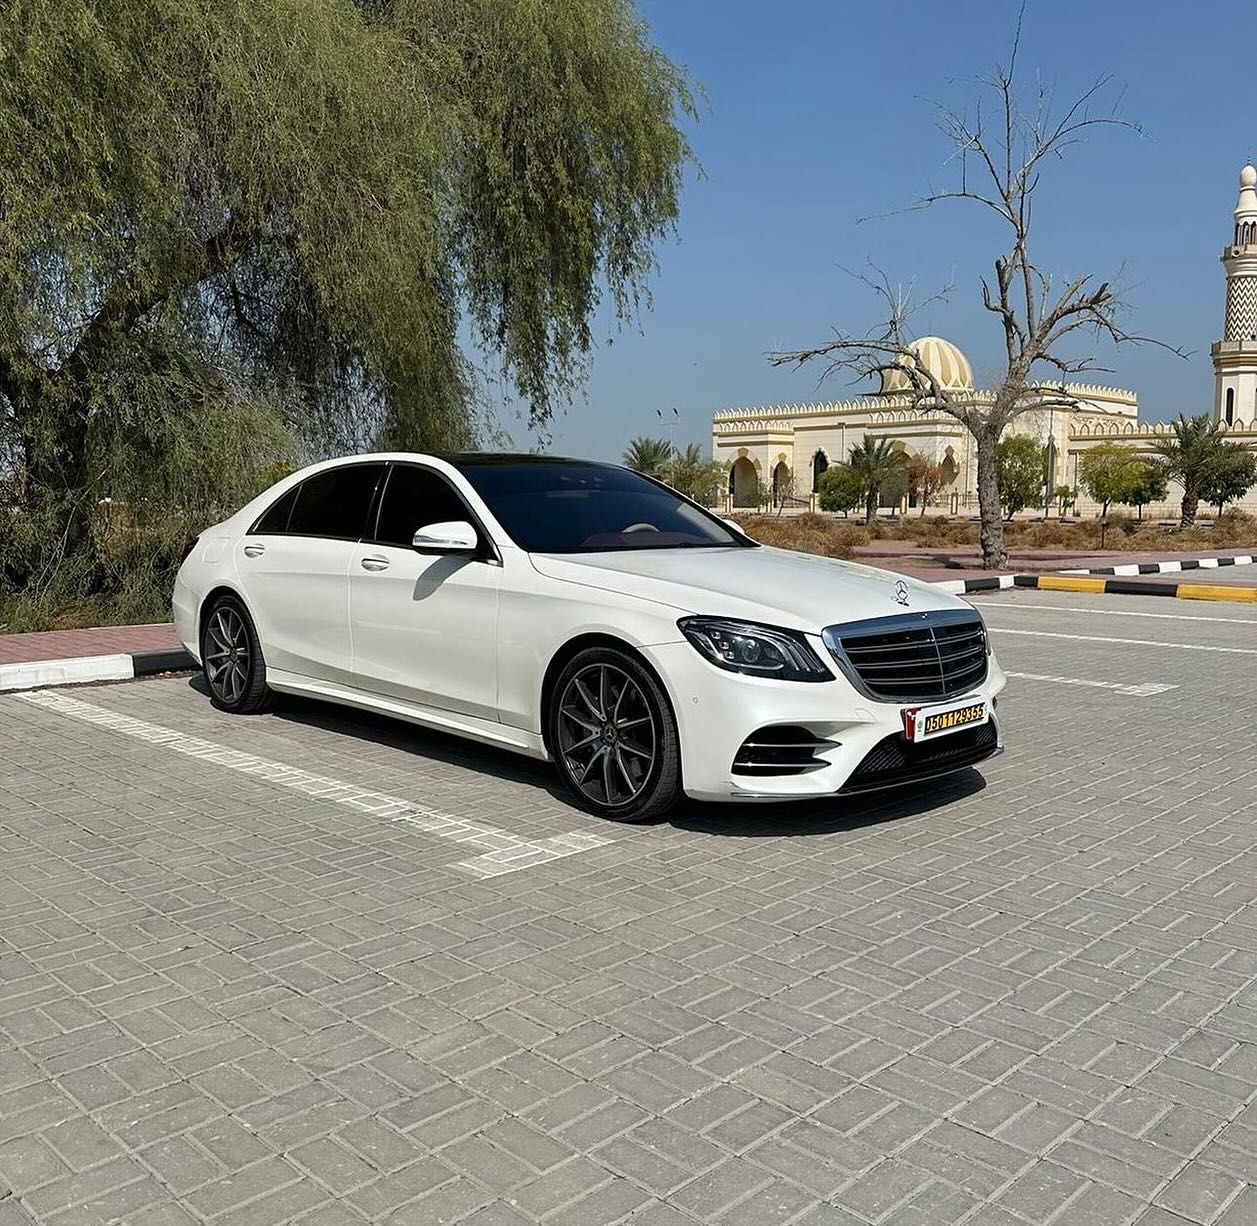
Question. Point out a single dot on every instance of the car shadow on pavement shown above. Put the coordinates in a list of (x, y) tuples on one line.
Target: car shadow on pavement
[(829, 815)]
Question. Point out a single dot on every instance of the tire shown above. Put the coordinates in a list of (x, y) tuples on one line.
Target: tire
[(237, 684), (613, 736)]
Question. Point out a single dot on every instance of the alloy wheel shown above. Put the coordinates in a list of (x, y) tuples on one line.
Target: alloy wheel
[(227, 656), (607, 734)]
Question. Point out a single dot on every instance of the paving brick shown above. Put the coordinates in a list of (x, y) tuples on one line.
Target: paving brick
[(28, 1162), (712, 1193), (1199, 1192), (879, 1190)]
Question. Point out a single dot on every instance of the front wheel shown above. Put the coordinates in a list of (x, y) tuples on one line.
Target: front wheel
[(613, 736), (231, 657)]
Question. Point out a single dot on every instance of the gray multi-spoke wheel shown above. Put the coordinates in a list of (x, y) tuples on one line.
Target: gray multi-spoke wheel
[(232, 659), (613, 736)]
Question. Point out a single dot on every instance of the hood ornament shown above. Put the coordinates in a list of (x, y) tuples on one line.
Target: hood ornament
[(901, 592)]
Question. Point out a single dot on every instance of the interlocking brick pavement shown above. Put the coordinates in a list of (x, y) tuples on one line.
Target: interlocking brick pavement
[(1030, 1001)]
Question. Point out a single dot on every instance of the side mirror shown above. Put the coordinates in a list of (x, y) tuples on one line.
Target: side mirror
[(733, 523), (454, 536)]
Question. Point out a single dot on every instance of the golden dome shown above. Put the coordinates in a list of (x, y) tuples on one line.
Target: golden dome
[(941, 358)]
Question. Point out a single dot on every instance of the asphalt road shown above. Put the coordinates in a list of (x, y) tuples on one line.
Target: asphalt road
[(316, 967)]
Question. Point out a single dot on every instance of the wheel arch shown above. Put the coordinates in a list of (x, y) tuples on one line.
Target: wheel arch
[(207, 602), (582, 642)]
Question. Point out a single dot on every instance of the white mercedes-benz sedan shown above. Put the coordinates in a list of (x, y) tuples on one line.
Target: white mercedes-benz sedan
[(582, 613)]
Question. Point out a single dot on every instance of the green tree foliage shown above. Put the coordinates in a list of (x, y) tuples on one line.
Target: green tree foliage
[(840, 488), (695, 476), (1231, 475), (1189, 456), (648, 455), (882, 469), (1020, 465), (1109, 472), (1065, 496), (1149, 486), (282, 211)]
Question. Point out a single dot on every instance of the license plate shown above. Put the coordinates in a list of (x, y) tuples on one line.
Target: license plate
[(925, 723)]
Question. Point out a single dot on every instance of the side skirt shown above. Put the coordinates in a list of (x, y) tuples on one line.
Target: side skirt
[(486, 731)]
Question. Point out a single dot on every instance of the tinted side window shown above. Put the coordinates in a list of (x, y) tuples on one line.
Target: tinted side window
[(275, 518), (335, 503), (414, 497)]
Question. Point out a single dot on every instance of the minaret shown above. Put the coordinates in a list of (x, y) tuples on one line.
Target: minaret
[(1235, 355)]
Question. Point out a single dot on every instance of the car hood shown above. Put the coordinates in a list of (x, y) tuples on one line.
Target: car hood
[(797, 590)]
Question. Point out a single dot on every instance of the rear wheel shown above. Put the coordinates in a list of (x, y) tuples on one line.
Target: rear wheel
[(613, 736), (231, 657)]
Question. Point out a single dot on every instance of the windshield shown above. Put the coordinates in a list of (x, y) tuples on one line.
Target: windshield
[(557, 507)]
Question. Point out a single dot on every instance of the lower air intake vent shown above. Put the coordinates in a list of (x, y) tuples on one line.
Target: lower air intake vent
[(897, 760), (780, 750)]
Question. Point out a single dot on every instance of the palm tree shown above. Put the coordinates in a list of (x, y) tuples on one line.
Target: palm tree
[(648, 455), (879, 464), (694, 475), (1190, 456)]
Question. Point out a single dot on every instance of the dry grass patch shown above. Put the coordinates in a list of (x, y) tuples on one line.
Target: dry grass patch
[(833, 537)]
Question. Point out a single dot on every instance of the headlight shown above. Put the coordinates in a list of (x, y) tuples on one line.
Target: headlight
[(759, 651)]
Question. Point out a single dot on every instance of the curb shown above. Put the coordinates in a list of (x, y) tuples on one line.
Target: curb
[(1084, 582), (35, 674), (1165, 568)]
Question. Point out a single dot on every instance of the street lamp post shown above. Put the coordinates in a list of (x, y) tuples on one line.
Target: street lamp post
[(672, 421)]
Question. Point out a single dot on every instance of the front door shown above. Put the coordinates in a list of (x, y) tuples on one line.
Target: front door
[(424, 627)]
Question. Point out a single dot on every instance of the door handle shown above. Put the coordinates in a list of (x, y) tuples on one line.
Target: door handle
[(374, 562), (254, 550)]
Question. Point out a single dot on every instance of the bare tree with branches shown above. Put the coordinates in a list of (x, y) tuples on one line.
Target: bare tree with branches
[(999, 170)]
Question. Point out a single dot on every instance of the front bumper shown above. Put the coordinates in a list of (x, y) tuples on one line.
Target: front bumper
[(717, 711)]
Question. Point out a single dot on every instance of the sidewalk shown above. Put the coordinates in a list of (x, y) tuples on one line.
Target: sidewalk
[(101, 653), (98, 641)]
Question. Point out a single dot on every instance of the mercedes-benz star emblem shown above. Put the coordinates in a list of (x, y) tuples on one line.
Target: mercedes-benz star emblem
[(901, 592)]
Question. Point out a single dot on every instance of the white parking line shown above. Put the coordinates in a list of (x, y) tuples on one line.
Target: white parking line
[(1099, 638), (1005, 604), (1145, 689), (504, 852)]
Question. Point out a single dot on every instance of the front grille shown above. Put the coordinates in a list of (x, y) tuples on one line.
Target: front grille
[(782, 749), (897, 760), (915, 657)]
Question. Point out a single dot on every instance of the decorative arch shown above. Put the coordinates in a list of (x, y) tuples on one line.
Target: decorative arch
[(743, 483), (780, 480), (820, 465)]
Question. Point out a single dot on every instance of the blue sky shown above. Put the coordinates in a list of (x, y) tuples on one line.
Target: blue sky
[(818, 115)]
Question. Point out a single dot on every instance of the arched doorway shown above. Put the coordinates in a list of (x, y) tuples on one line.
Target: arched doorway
[(820, 463), (743, 483), (781, 482)]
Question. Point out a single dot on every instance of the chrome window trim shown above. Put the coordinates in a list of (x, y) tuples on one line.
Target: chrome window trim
[(831, 636)]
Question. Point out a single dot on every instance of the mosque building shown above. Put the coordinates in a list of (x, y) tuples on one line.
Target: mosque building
[(777, 454)]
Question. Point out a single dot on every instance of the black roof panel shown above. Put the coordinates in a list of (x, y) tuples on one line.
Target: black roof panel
[(486, 459)]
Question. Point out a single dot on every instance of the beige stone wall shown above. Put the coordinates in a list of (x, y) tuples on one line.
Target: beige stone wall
[(792, 435)]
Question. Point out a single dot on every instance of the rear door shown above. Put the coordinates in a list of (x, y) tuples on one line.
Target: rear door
[(295, 569), (424, 626)]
